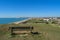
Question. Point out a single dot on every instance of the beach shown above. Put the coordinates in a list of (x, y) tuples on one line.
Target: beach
[(21, 21)]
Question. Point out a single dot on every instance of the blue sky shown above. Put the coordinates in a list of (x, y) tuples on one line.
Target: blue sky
[(29, 8)]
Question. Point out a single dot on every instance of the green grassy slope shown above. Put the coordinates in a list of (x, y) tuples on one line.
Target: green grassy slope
[(49, 31)]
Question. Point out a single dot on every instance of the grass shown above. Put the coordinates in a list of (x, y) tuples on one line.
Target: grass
[(49, 31)]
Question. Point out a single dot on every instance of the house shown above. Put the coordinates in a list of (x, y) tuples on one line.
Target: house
[(21, 30), (46, 19)]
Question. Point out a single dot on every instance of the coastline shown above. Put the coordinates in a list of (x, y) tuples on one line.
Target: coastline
[(21, 21)]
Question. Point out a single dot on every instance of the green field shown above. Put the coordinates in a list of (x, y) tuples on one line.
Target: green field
[(49, 32)]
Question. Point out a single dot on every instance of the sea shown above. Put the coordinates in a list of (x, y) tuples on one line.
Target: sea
[(10, 20)]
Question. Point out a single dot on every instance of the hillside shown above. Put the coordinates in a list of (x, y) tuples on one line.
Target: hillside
[(49, 32)]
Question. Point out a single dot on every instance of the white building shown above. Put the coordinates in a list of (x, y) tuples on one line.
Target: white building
[(46, 19)]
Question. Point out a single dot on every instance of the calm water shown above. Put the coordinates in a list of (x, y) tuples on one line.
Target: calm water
[(10, 20)]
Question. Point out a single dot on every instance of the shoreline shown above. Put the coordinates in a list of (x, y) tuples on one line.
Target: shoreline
[(21, 21)]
